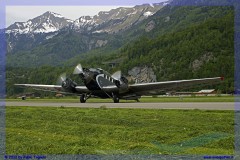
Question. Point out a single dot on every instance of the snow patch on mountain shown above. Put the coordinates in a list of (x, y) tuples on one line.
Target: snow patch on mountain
[(84, 22), (51, 36), (56, 15), (165, 3), (148, 13)]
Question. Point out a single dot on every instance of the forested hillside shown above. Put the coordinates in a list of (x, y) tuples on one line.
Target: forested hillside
[(206, 49)]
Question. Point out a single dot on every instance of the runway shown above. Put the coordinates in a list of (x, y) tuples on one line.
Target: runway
[(176, 105)]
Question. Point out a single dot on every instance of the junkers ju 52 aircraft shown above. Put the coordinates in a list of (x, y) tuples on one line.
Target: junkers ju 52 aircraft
[(99, 83)]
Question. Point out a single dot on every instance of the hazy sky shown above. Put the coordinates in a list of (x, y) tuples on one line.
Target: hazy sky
[(24, 13)]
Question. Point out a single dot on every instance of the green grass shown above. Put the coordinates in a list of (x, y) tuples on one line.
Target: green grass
[(143, 99), (39, 130)]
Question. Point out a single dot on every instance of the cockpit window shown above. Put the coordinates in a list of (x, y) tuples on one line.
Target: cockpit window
[(100, 70), (96, 70), (92, 70)]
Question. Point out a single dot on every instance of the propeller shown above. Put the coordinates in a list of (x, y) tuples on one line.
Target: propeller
[(120, 81), (66, 83), (117, 75), (62, 78), (78, 69)]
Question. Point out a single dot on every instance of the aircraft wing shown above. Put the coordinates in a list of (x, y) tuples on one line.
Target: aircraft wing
[(54, 88), (157, 87)]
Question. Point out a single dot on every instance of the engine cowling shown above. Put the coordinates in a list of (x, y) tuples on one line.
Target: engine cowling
[(69, 85), (122, 84)]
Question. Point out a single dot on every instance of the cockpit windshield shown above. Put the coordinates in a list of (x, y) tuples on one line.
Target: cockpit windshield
[(103, 72), (96, 71), (99, 71)]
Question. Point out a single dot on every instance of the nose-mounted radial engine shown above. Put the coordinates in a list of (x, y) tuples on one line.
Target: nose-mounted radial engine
[(88, 76)]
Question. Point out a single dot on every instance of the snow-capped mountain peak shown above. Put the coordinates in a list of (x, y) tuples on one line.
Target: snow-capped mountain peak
[(45, 23), (84, 22), (50, 24), (115, 20), (54, 14)]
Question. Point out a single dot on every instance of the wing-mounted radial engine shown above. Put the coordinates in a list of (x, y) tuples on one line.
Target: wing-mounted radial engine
[(84, 73), (120, 81), (67, 84)]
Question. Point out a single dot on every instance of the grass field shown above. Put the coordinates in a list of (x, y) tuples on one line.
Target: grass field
[(143, 99), (37, 130)]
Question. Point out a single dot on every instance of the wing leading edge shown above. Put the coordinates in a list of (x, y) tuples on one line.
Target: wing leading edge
[(154, 88), (54, 88)]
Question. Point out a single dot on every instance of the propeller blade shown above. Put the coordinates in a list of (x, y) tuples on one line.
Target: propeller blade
[(117, 75), (78, 69), (61, 79)]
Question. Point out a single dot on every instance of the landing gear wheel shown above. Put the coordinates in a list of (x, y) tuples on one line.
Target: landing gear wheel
[(82, 98), (115, 99)]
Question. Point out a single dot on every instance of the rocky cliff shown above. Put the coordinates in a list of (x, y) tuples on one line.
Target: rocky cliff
[(141, 75)]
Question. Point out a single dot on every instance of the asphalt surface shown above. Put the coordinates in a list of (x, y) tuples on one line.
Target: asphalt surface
[(176, 105)]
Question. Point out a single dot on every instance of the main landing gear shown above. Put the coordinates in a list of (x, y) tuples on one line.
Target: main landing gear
[(84, 98), (115, 98)]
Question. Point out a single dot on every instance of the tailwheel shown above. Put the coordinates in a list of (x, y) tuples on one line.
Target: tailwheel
[(115, 99), (83, 98)]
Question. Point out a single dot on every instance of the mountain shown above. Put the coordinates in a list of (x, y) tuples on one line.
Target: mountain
[(183, 43), (116, 19), (167, 20), (37, 41), (68, 46), (202, 2), (45, 23), (203, 49), (25, 35)]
